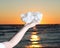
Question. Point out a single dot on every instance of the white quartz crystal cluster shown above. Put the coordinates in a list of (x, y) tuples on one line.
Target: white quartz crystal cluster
[(31, 16)]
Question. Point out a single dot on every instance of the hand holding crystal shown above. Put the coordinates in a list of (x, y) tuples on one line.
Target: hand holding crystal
[(32, 18)]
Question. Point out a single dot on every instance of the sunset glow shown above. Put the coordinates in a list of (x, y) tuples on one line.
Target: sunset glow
[(10, 10)]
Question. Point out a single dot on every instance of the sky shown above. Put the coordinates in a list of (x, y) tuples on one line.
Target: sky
[(10, 10)]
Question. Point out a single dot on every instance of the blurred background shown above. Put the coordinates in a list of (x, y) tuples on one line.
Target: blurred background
[(10, 10), (47, 33)]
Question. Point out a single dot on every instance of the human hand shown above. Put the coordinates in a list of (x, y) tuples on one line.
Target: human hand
[(31, 18)]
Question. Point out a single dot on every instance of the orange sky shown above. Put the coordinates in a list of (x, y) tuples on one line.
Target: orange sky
[(11, 10)]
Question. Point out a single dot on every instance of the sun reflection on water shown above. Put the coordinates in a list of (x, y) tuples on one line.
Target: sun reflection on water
[(34, 46), (34, 38)]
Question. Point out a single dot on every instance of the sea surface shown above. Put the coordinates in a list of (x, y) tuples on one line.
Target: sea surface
[(44, 35)]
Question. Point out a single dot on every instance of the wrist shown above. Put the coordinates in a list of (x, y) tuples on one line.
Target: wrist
[(27, 26)]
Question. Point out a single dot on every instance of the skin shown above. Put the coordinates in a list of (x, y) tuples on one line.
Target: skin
[(17, 38)]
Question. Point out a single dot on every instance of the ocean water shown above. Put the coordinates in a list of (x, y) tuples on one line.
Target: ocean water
[(46, 35)]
